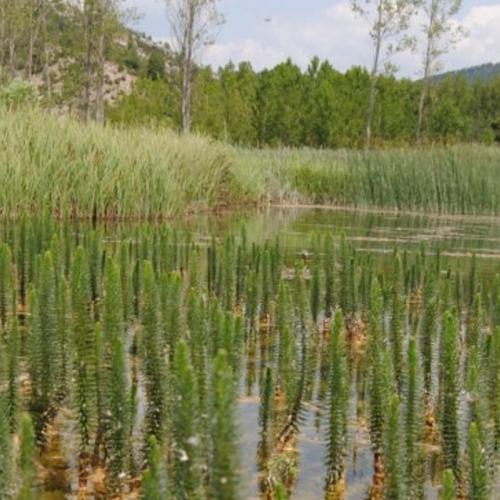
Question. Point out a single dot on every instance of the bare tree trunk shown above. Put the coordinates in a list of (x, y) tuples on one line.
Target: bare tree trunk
[(12, 56), (2, 39), (46, 69), (372, 98), (186, 71), (421, 106), (99, 94), (374, 80), (427, 71), (31, 44), (88, 20)]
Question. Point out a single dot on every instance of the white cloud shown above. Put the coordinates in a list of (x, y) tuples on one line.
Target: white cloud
[(251, 50), (483, 41), (332, 33)]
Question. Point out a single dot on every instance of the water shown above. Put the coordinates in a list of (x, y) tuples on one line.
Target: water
[(374, 233)]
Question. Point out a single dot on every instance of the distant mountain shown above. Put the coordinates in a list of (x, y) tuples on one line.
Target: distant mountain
[(486, 72)]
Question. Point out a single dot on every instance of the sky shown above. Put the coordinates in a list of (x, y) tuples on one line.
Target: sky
[(266, 32)]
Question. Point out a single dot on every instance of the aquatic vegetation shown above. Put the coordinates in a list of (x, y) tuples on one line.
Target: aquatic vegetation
[(158, 360), (56, 166)]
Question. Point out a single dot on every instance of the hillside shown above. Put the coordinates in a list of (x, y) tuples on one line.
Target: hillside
[(56, 43), (483, 72)]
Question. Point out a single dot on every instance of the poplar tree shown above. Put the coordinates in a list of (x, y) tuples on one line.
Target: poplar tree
[(191, 23), (389, 22), (441, 32)]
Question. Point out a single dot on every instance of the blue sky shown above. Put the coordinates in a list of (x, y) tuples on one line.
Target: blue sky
[(303, 28)]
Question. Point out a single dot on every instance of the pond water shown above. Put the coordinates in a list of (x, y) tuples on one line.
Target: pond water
[(375, 233), (370, 231)]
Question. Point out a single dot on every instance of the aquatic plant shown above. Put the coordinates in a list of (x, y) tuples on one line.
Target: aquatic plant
[(186, 473), (223, 463), (478, 471), (27, 453), (339, 383), (448, 488), (394, 483), (153, 356), (449, 381), (151, 477)]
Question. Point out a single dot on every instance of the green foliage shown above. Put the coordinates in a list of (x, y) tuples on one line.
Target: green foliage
[(450, 388), (13, 371), (7, 286), (186, 474), (379, 395), (339, 401), (449, 488), (478, 471), (223, 471), (412, 417), (151, 478), (84, 345), (18, 93), (27, 452), (397, 321), (394, 484), (6, 465), (153, 356)]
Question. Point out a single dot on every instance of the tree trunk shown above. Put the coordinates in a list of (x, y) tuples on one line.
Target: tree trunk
[(88, 14), (187, 55), (373, 96), (421, 106), (99, 94), (374, 80), (427, 71)]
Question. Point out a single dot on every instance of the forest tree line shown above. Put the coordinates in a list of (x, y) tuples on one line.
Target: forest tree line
[(318, 107), (67, 47)]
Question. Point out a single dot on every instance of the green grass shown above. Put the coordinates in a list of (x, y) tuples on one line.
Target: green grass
[(57, 165), (460, 179), (60, 166)]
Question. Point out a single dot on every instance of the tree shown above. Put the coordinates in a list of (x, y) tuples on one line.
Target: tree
[(100, 21), (441, 34), (191, 23), (389, 22)]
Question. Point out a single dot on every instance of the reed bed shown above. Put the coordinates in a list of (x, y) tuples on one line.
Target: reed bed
[(454, 180), (126, 355), (56, 165)]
